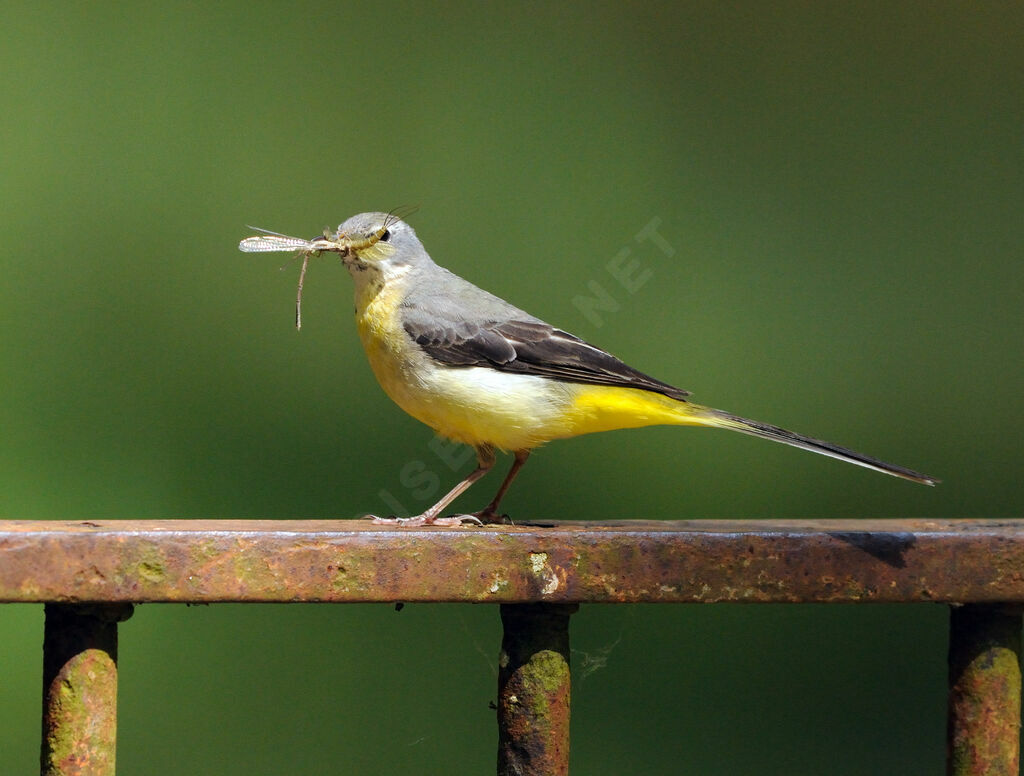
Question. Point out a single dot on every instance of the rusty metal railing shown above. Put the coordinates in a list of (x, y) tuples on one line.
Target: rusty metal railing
[(90, 574)]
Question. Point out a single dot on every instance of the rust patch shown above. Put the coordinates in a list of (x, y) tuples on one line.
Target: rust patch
[(534, 690), (80, 689), (984, 691), (206, 561)]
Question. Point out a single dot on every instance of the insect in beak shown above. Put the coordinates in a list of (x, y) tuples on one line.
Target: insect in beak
[(272, 241)]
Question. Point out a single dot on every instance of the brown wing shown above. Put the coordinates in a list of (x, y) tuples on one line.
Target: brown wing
[(528, 347)]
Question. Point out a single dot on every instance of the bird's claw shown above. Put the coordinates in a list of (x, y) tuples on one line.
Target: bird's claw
[(490, 517), (457, 520), (419, 520)]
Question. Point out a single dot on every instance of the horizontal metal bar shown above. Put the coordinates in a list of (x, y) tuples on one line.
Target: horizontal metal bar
[(975, 561)]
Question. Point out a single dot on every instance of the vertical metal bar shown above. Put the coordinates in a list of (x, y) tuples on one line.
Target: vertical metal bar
[(534, 690), (80, 689), (983, 732)]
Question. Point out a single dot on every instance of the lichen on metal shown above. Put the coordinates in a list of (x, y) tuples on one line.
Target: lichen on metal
[(80, 689), (556, 562), (534, 690), (89, 574), (984, 691)]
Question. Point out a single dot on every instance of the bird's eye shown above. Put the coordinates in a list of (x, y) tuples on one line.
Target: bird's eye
[(386, 235)]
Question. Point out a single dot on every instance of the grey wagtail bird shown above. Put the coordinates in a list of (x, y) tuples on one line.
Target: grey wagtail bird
[(480, 371)]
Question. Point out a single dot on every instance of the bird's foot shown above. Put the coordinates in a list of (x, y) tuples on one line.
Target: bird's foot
[(457, 520), (418, 520), (490, 517)]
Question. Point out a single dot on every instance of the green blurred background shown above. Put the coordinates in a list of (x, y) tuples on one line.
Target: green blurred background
[(842, 186)]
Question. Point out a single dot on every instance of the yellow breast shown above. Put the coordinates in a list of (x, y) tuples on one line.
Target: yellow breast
[(392, 355)]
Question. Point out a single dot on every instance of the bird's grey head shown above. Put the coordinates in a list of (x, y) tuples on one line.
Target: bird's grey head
[(379, 243)]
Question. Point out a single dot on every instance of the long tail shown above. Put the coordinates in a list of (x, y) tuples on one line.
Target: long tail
[(707, 416)]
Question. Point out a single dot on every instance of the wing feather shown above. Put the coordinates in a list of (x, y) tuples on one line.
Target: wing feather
[(528, 347)]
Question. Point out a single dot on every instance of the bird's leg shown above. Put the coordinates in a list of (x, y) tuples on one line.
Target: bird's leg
[(485, 460), (489, 514)]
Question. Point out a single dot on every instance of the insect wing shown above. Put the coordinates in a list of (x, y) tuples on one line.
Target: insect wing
[(273, 242)]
